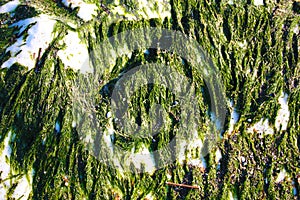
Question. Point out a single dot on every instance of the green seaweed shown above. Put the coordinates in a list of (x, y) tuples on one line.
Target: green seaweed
[(256, 53)]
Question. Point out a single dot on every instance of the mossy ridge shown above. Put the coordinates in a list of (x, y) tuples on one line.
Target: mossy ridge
[(270, 153)]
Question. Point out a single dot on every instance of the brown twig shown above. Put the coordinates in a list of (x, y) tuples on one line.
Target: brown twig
[(183, 185), (37, 64)]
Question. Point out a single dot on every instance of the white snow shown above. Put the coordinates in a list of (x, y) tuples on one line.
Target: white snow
[(5, 166), (232, 196), (144, 9), (86, 11), (149, 196), (25, 50), (107, 136), (57, 126), (295, 192), (234, 117), (195, 162), (261, 127), (147, 9), (23, 189), (108, 115), (4, 159), (75, 55), (146, 52), (169, 176), (259, 2), (296, 29), (181, 151), (218, 155), (215, 121), (144, 156), (44, 141), (194, 144), (9, 7), (243, 44), (73, 124), (281, 176), (186, 151), (283, 114), (203, 162)]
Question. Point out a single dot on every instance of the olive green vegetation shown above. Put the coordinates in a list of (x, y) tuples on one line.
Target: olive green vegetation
[(254, 75)]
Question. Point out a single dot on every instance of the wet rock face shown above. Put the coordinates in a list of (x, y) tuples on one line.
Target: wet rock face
[(61, 138)]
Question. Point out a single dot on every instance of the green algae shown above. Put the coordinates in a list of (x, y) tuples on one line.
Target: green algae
[(256, 52)]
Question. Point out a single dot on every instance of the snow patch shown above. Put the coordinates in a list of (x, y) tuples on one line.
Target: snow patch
[(243, 44), (74, 124), (108, 114), (24, 187), (108, 136), (9, 7), (181, 151), (259, 2), (234, 117), (218, 156), (283, 114), (149, 196), (5, 156), (25, 50), (230, 2), (295, 192), (75, 55), (44, 141), (261, 127), (296, 29), (195, 144), (216, 121), (232, 196), (144, 9), (190, 151), (57, 126), (281, 176), (5, 166), (86, 11), (144, 156)]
